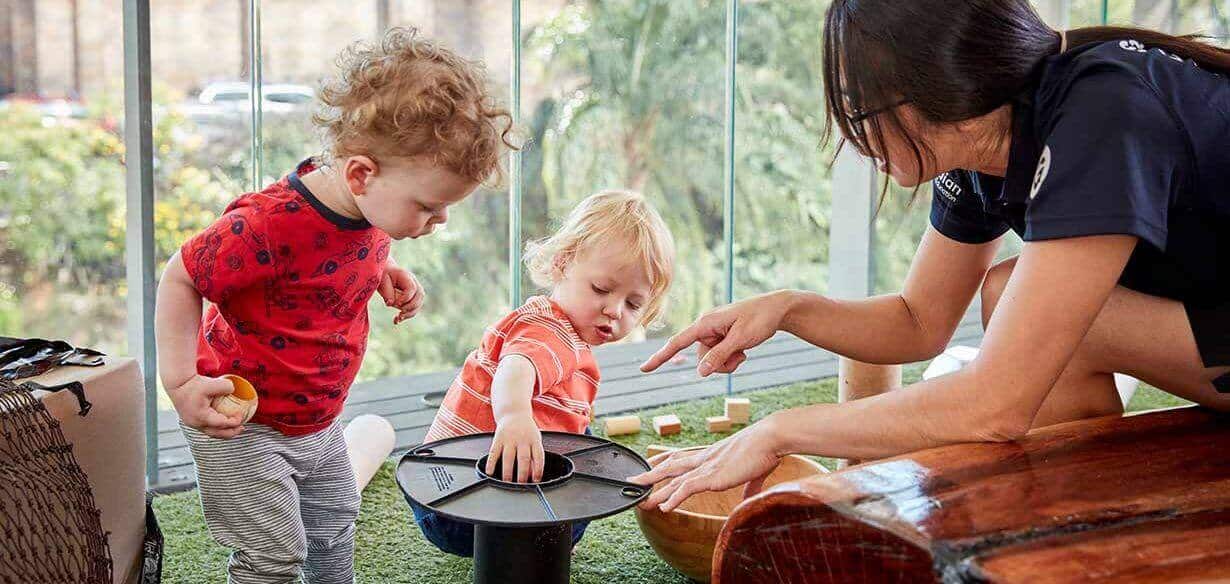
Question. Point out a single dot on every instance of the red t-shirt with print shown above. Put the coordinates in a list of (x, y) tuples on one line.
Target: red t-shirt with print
[(288, 280)]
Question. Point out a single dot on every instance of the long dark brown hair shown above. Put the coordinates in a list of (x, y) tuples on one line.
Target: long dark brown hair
[(951, 61)]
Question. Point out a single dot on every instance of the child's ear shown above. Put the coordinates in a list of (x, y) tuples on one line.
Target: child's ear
[(560, 265), (358, 171)]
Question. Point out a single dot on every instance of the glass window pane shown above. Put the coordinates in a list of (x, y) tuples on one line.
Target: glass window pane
[(629, 94), (783, 191), (1083, 13), (296, 53), (464, 267), (202, 116), (902, 218), (62, 195), (1207, 17)]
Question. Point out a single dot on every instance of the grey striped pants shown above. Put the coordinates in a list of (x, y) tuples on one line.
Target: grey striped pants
[(283, 504)]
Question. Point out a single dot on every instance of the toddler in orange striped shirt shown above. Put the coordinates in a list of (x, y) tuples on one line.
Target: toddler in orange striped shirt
[(608, 269)]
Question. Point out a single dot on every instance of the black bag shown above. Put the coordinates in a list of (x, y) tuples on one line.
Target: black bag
[(20, 358), (151, 564)]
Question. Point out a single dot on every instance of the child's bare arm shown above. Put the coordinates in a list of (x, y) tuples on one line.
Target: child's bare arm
[(513, 387), (177, 322), (517, 442)]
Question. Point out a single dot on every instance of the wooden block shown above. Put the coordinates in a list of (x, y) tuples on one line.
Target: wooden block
[(655, 449), (620, 425), (717, 424), (739, 410), (667, 425)]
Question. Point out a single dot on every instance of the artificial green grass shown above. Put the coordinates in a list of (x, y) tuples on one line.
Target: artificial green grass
[(390, 548)]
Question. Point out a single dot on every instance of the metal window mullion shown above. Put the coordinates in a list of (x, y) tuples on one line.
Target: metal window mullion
[(728, 209), (255, 81), (139, 239), (514, 166)]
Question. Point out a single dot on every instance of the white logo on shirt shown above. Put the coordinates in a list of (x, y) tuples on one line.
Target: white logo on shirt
[(1137, 47), (949, 187), (1044, 168)]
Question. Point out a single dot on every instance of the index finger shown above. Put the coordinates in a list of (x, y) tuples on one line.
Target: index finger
[(218, 387), (679, 342), (671, 467)]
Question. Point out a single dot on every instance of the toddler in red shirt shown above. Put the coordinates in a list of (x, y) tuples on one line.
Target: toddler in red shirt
[(410, 129)]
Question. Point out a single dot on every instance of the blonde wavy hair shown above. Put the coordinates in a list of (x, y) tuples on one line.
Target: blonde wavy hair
[(610, 218), (407, 96)]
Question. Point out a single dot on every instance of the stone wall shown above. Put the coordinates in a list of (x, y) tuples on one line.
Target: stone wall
[(195, 42)]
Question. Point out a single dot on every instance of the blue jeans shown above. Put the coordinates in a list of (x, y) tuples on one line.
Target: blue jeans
[(456, 537)]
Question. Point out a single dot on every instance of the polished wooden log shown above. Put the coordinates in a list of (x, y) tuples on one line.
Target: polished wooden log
[(1141, 498)]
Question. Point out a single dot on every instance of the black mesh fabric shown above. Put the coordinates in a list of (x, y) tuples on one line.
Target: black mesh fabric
[(49, 525)]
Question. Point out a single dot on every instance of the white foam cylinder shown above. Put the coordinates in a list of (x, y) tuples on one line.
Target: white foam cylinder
[(369, 441), (951, 360), (1126, 385), (958, 356)]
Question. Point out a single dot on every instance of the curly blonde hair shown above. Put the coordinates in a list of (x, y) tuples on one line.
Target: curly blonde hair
[(408, 96), (619, 218)]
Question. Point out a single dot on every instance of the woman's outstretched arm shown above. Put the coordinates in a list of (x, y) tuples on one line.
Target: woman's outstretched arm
[(894, 328), (1055, 293)]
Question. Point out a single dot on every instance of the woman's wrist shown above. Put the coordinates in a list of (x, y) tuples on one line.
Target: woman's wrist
[(776, 428), (787, 431), (791, 303)]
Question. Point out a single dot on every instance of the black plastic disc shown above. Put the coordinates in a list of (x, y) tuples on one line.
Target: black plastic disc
[(583, 480)]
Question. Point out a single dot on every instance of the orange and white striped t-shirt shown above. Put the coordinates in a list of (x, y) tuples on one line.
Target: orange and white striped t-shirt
[(566, 374)]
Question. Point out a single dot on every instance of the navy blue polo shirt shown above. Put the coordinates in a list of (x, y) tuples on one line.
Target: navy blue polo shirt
[(1115, 139)]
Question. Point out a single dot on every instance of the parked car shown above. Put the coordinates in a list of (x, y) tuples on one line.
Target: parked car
[(226, 101), (53, 109), (277, 96)]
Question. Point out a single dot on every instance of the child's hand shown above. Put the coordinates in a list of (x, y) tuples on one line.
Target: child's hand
[(517, 443), (401, 290), (192, 402)]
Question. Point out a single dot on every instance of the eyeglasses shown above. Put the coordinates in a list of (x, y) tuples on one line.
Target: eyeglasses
[(860, 116)]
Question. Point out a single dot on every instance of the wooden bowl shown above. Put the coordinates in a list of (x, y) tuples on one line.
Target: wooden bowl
[(684, 537)]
